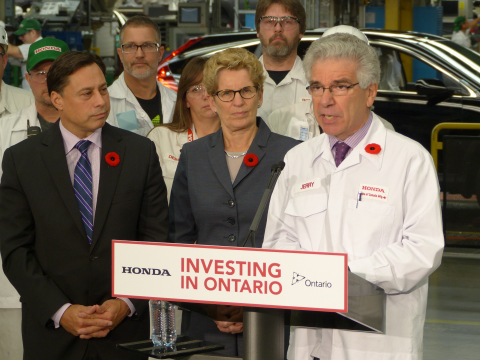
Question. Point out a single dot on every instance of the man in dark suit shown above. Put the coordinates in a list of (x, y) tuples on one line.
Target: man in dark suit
[(64, 195)]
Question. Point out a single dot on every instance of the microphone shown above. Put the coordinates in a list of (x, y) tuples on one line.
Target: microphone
[(276, 170)]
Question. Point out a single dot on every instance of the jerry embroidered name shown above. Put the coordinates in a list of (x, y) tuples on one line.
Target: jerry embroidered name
[(172, 157), (45, 48), (307, 185)]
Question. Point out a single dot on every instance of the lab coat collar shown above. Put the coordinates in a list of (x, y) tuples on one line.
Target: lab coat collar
[(296, 72), (182, 138), (376, 134)]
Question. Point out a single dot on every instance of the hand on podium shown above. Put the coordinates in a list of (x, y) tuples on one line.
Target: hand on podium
[(230, 319)]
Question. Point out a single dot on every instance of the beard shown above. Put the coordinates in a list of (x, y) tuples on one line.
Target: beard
[(280, 49), (140, 73)]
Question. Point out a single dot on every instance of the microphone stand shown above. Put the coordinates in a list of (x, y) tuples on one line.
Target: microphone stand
[(276, 170)]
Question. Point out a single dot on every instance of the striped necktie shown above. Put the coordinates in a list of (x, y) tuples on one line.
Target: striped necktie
[(82, 186), (341, 150)]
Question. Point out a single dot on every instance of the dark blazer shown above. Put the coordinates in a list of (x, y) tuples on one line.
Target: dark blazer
[(206, 208), (44, 248)]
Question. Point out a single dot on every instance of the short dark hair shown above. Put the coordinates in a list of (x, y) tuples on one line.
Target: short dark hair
[(141, 21), (68, 63), (293, 6)]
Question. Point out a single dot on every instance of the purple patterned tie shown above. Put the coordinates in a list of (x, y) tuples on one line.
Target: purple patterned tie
[(341, 150)]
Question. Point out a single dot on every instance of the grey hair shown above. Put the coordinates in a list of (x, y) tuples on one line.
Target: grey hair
[(345, 46)]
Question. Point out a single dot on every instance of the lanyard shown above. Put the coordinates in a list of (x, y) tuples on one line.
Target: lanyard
[(190, 135)]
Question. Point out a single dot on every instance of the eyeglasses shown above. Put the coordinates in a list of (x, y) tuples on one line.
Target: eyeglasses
[(247, 92), (336, 90), (39, 76), (146, 48), (286, 22), (196, 92)]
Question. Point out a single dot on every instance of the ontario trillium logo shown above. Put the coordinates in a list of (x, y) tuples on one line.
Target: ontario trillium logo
[(296, 278)]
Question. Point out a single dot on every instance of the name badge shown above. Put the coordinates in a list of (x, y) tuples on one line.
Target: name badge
[(374, 192), (308, 185)]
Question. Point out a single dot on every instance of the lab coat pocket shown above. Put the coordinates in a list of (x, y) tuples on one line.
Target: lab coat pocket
[(307, 203), (367, 227), (169, 168)]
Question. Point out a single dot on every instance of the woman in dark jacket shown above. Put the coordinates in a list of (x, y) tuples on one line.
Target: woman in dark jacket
[(220, 179)]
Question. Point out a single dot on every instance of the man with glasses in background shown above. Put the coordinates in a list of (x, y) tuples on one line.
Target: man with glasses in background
[(29, 31), (41, 115), (138, 101), (372, 193), (30, 120), (280, 26)]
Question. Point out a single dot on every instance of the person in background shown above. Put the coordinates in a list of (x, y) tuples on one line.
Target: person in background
[(373, 194), (192, 119), (12, 99), (29, 31), (64, 195), (220, 178), (140, 102), (298, 120), (13, 129), (41, 114), (280, 26), (462, 29)]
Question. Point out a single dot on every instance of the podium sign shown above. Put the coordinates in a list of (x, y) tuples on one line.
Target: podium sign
[(230, 275)]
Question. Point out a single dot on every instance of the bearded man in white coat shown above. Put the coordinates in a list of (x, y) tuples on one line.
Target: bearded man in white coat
[(375, 196)]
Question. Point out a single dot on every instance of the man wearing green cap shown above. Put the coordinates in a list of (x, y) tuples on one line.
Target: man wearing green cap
[(28, 32), (41, 115), (461, 31)]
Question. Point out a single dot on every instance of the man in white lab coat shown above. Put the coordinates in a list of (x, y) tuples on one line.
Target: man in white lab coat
[(280, 26), (138, 101), (375, 196)]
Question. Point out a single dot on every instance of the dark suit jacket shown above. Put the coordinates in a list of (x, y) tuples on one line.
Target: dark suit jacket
[(205, 207), (45, 251)]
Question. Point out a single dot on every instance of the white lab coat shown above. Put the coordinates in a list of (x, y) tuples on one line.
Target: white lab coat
[(13, 129), (122, 100), (298, 121), (462, 38), (394, 243), (13, 99), (169, 145), (291, 89)]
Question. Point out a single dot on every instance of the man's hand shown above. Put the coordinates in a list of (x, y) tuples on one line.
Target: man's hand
[(112, 311), (229, 327), (83, 325), (233, 316)]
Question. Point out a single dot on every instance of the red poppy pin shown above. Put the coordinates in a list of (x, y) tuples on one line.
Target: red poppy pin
[(112, 159), (373, 149), (250, 160)]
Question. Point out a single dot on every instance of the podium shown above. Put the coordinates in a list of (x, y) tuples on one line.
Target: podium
[(274, 287)]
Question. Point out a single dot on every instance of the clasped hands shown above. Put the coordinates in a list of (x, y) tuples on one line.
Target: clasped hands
[(94, 321), (231, 319)]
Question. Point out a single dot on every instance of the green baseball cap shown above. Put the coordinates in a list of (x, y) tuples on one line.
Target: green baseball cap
[(46, 49), (459, 20), (27, 25)]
